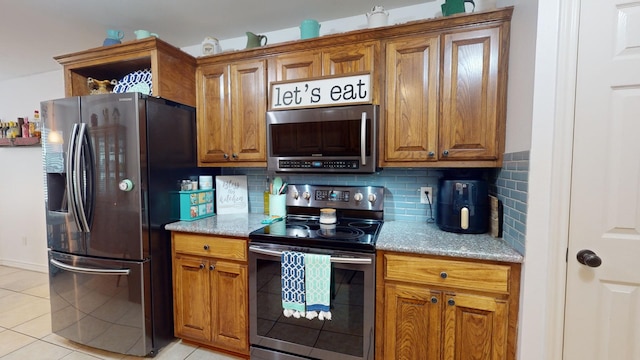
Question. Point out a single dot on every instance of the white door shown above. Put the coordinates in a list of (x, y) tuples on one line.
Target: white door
[(603, 303)]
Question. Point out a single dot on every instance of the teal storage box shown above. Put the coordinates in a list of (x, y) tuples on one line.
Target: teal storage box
[(192, 205)]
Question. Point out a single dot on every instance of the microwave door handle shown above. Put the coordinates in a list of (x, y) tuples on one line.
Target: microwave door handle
[(334, 259), (363, 140)]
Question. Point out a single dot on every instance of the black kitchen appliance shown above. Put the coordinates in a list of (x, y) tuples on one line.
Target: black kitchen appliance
[(463, 206), (110, 162), (350, 242)]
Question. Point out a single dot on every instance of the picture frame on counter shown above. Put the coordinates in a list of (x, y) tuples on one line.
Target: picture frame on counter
[(232, 196)]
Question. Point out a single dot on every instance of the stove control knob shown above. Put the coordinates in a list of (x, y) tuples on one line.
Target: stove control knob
[(358, 197), (295, 194), (372, 198), (306, 195)]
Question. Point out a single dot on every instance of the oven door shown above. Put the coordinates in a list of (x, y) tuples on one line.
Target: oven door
[(349, 335)]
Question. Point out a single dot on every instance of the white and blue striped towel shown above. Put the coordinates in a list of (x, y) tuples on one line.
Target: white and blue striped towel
[(293, 292)]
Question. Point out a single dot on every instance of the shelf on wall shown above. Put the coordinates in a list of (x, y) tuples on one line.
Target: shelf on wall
[(30, 141)]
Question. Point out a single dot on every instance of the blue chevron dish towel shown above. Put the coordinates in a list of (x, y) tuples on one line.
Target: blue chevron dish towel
[(293, 292), (318, 286)]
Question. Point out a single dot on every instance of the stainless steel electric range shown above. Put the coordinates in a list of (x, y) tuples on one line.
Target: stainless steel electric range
[(340, 221)]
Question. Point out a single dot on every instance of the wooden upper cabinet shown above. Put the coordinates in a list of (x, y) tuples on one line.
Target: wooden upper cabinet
[(298, 65), (248, 112), (231, 114), (173, 71), (409, 133), (472, 122), (334, 60), (213, 113), (440, 83), (349, 59)]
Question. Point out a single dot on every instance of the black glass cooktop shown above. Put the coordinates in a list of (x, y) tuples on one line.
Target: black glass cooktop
[(302, 230)]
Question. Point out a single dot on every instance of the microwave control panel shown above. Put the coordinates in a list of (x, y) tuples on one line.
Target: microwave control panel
[(319, 164)]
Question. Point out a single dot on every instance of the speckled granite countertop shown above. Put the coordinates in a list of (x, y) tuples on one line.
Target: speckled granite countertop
[(401, 236), (422, 238), (228, 224)]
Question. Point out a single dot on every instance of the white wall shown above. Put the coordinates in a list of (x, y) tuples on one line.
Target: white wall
[(22, 222), (521, 75)]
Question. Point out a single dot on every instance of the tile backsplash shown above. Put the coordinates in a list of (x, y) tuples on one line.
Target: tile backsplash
[(402, 188), (402, 191), (511, 184)]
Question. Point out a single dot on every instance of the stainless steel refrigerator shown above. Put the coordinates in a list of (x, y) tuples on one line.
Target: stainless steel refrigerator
[(110, 162)]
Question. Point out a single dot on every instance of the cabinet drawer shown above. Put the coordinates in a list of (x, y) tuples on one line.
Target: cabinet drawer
[(449, 273), (210, 246)]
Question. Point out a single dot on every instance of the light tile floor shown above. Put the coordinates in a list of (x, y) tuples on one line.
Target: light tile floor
[(25, 326)]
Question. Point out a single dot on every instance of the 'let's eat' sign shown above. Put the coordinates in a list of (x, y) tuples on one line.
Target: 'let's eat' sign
[(321, 92)]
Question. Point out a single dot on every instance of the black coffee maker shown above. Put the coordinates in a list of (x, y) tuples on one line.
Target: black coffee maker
[(463, 206)]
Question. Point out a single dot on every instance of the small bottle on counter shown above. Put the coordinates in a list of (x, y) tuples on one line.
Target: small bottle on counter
[(267, 191)]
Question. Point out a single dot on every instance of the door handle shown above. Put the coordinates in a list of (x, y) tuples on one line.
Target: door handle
[(589, 258)]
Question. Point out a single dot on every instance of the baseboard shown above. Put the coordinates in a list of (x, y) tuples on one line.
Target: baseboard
[(24, 265)]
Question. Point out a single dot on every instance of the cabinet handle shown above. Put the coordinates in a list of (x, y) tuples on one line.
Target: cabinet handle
[(206, 247), (445, 153), (443, 275), (201, 266), (451, 302), (234, 155), (434, 300), (226, 156), (212, 267), (432, 154)]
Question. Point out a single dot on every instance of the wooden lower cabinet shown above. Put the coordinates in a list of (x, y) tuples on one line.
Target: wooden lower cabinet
[(422, 314), (210, 291)]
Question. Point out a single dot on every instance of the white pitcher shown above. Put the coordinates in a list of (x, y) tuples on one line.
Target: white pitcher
[(377, 17)]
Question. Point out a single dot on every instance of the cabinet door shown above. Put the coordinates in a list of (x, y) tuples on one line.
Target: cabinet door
[(192, 303), (230, 306), (412, 323), (475, 328), (214, 132), (248, 122), (348, 59), (410, 124), (469, 125), (300, 65)]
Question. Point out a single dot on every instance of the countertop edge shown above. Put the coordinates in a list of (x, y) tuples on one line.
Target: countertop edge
[(399, 236)]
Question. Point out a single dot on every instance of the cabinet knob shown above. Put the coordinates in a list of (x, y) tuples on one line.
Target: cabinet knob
[(434, 300), (451, 302), (234, 155), (201, 266), (445, 153), (226, 156), (432, 154), (206, 247), (212, 267), (443, 275)]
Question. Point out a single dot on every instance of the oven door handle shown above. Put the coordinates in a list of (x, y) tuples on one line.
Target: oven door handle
[(334, 259)]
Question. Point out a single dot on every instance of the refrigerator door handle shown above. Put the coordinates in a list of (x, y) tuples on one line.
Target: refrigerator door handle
[(71, 175), (83, 270), (88, 169), (79, 177)]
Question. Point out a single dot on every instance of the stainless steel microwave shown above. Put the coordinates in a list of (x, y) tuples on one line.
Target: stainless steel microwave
[(340, 139)]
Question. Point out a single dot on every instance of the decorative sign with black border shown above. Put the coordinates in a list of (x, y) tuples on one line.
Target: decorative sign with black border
[(326, 91), (232, 195)]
